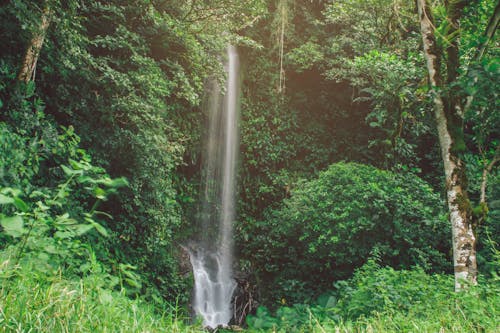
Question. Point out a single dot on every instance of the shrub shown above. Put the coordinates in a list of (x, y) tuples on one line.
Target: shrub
[(381, 299), (374, 289), (332, 224)]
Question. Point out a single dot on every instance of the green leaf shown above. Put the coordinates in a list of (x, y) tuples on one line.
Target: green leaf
[(332, 301), (100, 229), (50, 248), (86, 179), (105, 296), (21, 205), (14, 192), (99, 193), (98, 212), (42, 206), (13, 226), (119, 182), (63, 234), (70, 172), (81, 229), (64, 219), (80, 165), (5, 200)]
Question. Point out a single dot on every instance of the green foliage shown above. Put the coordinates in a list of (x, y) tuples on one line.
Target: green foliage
[(331, 224), (42, 225), (362, 26), (139, 69), (385, 300), (489, 231), (482, 117), (352, 91), (398, 115), (128, 77), (373, 289), (54, 304), (305, 56)]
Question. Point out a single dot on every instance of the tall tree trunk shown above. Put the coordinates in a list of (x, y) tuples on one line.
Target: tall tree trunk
[(30, 59), (463, 238)]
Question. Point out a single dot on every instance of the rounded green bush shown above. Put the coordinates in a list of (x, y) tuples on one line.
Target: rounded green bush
[(332, 224)]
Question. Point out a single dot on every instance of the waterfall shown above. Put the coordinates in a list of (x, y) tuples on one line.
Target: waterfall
[(212, 257)]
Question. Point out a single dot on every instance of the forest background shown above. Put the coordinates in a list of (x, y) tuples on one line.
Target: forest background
[(343, 220)]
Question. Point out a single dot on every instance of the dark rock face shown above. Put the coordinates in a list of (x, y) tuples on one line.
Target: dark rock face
[(244, 298)]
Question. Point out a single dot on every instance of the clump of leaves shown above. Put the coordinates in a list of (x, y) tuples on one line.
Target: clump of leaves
[(42, 228), (383, 299), (331, 225)]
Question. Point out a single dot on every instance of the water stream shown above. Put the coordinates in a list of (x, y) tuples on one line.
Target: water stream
[(212, 256)]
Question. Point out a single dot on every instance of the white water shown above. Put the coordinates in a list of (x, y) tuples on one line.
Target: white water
[(213, 257)]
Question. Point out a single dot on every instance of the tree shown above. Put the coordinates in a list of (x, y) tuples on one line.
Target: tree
[(449, 111), (27, 71)]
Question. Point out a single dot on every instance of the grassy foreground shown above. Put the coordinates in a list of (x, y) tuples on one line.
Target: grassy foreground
[(31, 304)]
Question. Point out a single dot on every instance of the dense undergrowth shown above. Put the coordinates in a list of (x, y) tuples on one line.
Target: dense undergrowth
[(376, 300), (40, 303), (380, 299), (308, 242)]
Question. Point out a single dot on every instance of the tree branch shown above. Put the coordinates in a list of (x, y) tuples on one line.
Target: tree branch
[(488, 33)]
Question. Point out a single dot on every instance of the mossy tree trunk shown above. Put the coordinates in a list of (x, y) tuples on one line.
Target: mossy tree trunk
[(450, 133), (28, 67)]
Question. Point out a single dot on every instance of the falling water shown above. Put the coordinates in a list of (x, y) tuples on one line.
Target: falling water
[(212, 257)]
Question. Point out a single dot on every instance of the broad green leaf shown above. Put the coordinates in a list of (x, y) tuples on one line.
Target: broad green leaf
[(63, 234), (133, 283), (14, 192), (332, 301), (70, 172), (13, 226), (119, 182), (100, 229), (79, 165), (21, 205), (50, 248), (99, 193), (105, 296), (5, 200), (64, 220), (86, 179), (81, 229), (42, 206)]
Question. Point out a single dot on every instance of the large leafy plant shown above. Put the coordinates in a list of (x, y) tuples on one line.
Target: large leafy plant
[(331, 225), (45, 228)]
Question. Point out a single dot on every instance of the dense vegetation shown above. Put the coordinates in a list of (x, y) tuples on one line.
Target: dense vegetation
[(307, 243), (343, 215)]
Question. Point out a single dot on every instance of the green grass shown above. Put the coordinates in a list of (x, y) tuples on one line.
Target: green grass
[(29, 304), (32, 302)]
